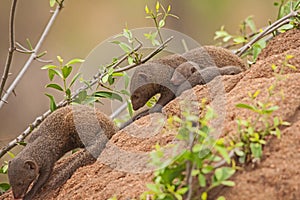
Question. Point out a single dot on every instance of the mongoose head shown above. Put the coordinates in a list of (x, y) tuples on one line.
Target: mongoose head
[(182, 72), (139, 97), (230, 70), (21, 173), (142, 89)]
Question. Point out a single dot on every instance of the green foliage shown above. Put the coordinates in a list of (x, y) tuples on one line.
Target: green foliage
[(3, 170), (254, 131), (159, 16), (4, 187), (248, 30), (62, 71), (53, 2), (285, 6), (241, 39), (197, 161)]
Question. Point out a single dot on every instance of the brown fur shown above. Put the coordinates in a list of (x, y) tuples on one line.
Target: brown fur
[(65, 129), (206, 56), (155, 76), (206, 75)]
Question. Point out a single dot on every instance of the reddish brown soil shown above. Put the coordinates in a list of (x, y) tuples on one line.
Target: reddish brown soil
[(122, 168)]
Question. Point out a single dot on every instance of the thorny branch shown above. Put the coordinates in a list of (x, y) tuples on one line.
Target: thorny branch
[(95, 80), (11, 47)]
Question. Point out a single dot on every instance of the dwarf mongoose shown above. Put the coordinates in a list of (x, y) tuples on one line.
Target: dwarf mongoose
[(200, 58), (155, 76), (206, 75), (65, 129)]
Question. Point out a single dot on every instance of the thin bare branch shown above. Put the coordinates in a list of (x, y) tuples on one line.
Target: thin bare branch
[(11, 47), (32, 56)]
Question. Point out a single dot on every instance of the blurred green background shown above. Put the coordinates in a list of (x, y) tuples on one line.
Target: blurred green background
[(83, 24)]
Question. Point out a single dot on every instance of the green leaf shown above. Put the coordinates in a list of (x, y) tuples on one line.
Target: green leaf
[(106, 94), (3, 169), (161, 23), (153, 187), (249, 21), (228, 183), (223, 173), (68, 93), (52, 3), (4, 187), (202, 180), (221, 198), (66, 70), (219, 174), (49, 67), (223, 151), (127, 33), (51, 74), (41, 54), (29, 44), (125, 47), (239, 40), (55, 86), (129, 108), (75, 60), (111, 80), (246, 106), (197, 148), (74, 79), (126, 79), (52, 102), (11, 154), (272, 109), (105, 78), (119, 74), (130, 60), (125, 92), (256, 150), (182, 190)]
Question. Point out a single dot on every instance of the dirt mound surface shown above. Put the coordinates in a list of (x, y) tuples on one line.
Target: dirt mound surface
[(123, 170)]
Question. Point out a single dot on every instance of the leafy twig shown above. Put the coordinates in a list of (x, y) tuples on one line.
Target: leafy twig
[(97, 77), (11, 48), (32, 56), (148, 57), (268, 30)]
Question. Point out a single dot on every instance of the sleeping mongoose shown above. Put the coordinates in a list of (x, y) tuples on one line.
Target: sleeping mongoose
[(155, 76), (205, 76), (63, 130), (200, 58)]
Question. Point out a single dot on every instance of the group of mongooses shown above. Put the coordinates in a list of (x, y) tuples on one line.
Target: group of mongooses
[(80, 126), (171, 75)]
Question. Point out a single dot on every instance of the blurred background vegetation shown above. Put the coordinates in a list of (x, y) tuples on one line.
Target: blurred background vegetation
[(83, 24)]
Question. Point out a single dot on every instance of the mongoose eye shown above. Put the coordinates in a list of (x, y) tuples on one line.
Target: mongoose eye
[(134, 96)]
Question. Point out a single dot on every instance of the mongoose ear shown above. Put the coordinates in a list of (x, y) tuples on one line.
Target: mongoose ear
[(143, 75), (193, 69), (31, 165)]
